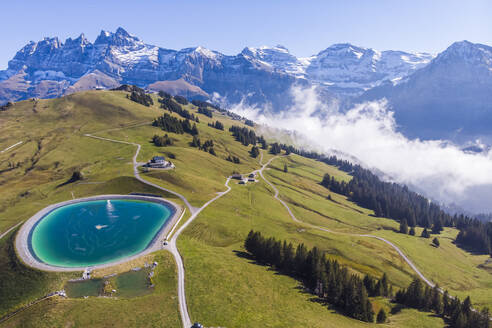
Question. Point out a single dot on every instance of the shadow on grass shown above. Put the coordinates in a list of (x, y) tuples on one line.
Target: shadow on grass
[(469, 249), (76, 176), (300, 288)]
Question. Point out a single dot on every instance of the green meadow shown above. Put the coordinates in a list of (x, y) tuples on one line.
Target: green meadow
[(223, 286)]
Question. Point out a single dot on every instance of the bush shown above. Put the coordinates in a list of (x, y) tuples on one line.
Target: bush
[(436, 242)]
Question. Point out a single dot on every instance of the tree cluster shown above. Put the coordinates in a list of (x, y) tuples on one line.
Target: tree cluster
[(254, 152), (233, 159), (394, 201), (323, 277), (460, 314), (477, 236), (275, 148), (217, 125), (207, 146), (243, 135), (181, 100), (205, 111), (171, 124), (139, 96), (173, 107), (204, 104), (162, 141), (249, 123), (262, 142), (164, 94)]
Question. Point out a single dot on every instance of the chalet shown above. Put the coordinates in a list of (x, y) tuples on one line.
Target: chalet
[(237, 176), (159, 162)]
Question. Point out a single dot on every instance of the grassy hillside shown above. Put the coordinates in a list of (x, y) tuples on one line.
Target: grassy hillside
[(159, 309), (223, 287)]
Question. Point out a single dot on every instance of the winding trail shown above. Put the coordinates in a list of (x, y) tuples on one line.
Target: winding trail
[(10, 147), (172, 247), (398, 250)]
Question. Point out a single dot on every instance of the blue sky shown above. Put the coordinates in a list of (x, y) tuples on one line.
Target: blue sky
[(305, 27)]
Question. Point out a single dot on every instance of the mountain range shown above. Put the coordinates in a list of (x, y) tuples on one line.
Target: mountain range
[(453, 88)]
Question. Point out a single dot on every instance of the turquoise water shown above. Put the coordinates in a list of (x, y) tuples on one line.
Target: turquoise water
[(97, 232)]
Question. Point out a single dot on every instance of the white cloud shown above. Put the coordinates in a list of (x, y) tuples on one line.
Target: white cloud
[(368, 132)]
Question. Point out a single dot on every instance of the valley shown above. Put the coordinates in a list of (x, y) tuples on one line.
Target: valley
[(203, 271)]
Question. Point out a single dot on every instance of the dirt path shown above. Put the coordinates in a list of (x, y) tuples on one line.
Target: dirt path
[(10, 229), (10, 147)]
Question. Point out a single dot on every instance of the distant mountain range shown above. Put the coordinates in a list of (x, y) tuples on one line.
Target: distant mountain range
[(453, 88), (450, 98)]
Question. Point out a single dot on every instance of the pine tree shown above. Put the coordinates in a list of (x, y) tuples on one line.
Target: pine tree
[(254, 152), (382, 317), (437, 227), (436, 303), (384, 285), (194, 130), (404, 226), (425, 233), (435, 242), (412, 231), (285, 168), (467, 306)]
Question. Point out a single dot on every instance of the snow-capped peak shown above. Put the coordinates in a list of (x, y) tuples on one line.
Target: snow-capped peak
[(353, 68), (466, 52), (206, 52)]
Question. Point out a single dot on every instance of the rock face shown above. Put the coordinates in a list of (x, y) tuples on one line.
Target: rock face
[(449, 98), (264, 75)]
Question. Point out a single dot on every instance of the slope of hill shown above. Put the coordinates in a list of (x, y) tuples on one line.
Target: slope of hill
[(217, 274)]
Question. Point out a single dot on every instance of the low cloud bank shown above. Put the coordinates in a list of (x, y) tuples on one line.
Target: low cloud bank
[(368, 131)]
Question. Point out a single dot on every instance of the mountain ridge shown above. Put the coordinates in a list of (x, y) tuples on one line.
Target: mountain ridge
[(127, 59)]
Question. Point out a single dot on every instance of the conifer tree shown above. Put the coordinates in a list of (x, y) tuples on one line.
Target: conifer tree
[(425, 233), (404, 226), (382, 317)]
